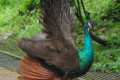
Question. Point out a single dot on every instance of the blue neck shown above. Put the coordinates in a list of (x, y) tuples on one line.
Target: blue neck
[(87, 41), (86, 55)]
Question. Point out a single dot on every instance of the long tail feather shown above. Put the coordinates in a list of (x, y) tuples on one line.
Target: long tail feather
[(32, 70)]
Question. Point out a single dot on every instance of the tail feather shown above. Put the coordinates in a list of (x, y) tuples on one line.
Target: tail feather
[(56, 14), (28, 68), (29, 62), (57, 18), (32, 76), (32, 70), (58, 22)]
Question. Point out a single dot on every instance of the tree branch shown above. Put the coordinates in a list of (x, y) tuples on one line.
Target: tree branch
[(78, 13), (87, 14), (98, 40), (80, 18)]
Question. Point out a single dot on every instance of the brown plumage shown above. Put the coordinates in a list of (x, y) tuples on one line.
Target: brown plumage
[(54, 56), (33, 70)]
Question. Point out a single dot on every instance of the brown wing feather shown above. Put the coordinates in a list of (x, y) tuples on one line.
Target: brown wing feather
[(58, 21), (63, 60), (32, 70), (58, 47)]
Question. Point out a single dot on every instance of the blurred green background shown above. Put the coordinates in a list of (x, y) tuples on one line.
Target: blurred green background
[(21, 18)]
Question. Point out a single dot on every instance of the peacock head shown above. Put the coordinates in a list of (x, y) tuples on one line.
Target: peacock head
[(89, 24)]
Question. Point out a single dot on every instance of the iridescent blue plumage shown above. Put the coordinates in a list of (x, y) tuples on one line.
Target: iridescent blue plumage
[(86, 55)]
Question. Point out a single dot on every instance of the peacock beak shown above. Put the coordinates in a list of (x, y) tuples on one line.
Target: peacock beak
[(89, 25)]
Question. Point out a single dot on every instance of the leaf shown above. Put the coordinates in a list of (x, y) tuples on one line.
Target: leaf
[(72, 3)]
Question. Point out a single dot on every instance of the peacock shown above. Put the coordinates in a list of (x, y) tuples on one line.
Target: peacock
[(54, 56)]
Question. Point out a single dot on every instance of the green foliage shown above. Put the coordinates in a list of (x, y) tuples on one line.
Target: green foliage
[(112, 11), (107, 61), (105, 12), (19, 16), (72, 2)]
